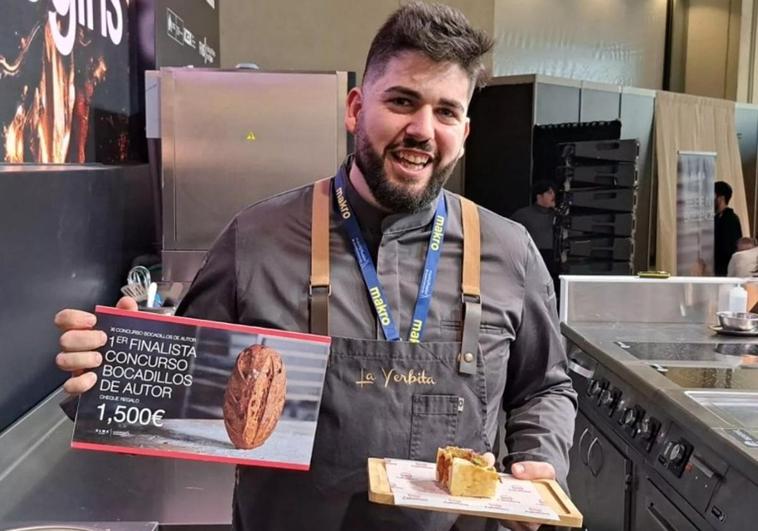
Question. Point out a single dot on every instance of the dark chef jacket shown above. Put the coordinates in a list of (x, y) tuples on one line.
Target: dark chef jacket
[(257, 273), (538, 221), (727, 230)]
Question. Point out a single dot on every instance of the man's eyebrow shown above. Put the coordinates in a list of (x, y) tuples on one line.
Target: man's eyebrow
[(399, 89)]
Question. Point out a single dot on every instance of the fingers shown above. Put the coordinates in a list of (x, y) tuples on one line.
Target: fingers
[(489, 457), (78, 344), (81, 340), (529, 470), (74, 320), (77, 361), (76, 385), (533, 470), (127, 303), (77, 355), (78, 320)]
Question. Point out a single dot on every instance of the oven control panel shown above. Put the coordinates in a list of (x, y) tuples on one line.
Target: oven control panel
[(678, 453), (620, 410)]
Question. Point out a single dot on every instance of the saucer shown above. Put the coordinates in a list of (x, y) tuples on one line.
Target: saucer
[(730, 332)]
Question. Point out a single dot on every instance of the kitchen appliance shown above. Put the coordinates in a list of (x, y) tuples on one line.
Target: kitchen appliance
[(230, 138), (689, 354), (595, 214), (643, 444)]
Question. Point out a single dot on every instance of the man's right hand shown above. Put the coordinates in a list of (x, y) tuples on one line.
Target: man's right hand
[(79, 344)]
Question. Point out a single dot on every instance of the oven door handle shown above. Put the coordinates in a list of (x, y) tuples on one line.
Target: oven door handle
[(594, 442), (659, 519), (579, 445)]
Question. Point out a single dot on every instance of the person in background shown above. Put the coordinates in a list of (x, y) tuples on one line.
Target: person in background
[(726, 230), (538, 219), (743, 263)]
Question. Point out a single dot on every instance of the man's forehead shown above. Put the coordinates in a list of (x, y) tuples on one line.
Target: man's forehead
[(417, 72)]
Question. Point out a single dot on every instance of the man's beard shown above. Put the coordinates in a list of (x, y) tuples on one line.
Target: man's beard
[(396, 197)]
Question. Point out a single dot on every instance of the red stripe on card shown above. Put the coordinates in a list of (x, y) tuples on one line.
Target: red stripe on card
[(186, 455), (214, 324)]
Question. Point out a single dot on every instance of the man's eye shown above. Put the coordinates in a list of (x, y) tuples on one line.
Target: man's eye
[(448, 114), (401, 102)]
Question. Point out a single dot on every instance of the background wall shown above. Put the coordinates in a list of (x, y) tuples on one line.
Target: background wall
[(706, 47), (620, 42), (69, 234), (325, 35), (708, 70)]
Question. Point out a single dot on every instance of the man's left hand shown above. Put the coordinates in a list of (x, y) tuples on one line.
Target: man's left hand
[(529, 470)]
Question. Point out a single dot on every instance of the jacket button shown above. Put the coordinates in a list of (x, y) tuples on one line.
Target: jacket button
[(468, 357)]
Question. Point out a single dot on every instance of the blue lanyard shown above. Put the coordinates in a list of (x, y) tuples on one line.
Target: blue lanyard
[(368, 270)]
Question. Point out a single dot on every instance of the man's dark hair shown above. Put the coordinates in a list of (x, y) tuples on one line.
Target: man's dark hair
[(542, 186), (440, 32), (723, 190)]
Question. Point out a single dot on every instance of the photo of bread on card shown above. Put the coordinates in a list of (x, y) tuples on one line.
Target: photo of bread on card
[(254, 397)]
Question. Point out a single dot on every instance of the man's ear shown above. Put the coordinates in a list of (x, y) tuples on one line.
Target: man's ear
[(352, 108), (465, 136)]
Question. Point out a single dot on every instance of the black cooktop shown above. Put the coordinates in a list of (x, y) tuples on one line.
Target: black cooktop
[(728, 353), (701, 365), (712, 378)]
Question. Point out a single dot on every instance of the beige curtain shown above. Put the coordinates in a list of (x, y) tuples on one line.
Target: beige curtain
[(693, 123)]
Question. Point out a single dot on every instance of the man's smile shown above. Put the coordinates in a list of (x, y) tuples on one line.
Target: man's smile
[(411, 159)]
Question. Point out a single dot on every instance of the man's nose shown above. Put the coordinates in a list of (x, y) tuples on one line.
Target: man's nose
[(421, 126)]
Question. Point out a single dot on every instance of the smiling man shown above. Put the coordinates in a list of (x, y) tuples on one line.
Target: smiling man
[(409, 280), (410, 123)]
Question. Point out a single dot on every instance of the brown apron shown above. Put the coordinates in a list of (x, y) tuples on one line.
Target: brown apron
[(381, 399)]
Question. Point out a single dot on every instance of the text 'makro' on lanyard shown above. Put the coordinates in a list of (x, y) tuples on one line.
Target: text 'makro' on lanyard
[(370, 277)]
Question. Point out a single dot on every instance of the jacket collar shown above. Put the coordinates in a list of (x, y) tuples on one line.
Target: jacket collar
[(372, 219)]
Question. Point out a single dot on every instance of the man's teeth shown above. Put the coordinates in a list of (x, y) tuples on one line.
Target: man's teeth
[(414, 160)]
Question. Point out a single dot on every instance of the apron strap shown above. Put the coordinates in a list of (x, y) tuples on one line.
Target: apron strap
[(470, 286), (320, 288)]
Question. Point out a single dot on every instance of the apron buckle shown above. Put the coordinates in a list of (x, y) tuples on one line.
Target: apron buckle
[(471, 297), (319, 289)]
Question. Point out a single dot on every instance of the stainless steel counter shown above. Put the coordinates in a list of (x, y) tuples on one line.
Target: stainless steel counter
[(43, 479)]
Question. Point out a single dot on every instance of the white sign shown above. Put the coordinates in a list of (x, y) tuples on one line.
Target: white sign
[(70, 13)]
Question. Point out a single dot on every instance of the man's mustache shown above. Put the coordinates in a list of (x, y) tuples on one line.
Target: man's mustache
[(412, 143)]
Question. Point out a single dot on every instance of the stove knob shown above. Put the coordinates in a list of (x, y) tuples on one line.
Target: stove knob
[(595, 388), (676, 453), (648, 428), (606, 397), (629, 417), (645, 427)]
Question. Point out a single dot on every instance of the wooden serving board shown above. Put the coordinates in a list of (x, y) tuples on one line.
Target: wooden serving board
[(569, 516)]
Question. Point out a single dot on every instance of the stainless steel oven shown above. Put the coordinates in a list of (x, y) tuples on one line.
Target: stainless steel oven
[(230, 138)]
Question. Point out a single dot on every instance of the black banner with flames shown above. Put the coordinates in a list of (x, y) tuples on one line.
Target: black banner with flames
[(64, 81)]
